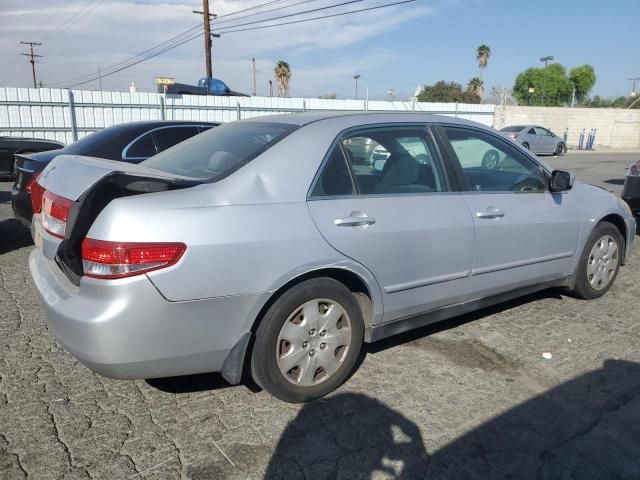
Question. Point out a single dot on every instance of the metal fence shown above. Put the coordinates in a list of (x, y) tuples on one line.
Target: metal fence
[(67, 115)]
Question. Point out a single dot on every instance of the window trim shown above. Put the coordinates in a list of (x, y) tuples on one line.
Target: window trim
[(125, 150), (450, 178), (466, 188)]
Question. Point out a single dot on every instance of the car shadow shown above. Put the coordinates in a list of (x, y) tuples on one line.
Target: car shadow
[(214, 381), (5, 196), (585, 428), (615, 181), (412, 335), (13, 236)]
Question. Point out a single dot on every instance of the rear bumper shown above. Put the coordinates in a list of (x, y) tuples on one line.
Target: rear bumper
[(126, 329)]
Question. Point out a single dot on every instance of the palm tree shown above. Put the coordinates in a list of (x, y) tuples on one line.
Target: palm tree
[(482, 55), (282, 72), (476, 85)]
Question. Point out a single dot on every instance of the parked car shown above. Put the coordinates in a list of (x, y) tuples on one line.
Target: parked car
[(258, 244), (537, 139), (631, 190), (129, 142), (10, 146)]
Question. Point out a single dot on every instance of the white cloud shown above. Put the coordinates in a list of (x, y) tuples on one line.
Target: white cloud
[(118, 29)]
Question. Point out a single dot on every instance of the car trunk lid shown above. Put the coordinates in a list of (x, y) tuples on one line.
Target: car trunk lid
[(90, 184)]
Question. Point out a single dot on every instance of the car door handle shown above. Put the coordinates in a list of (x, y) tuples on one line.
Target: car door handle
[(355, 219), (489, 213)]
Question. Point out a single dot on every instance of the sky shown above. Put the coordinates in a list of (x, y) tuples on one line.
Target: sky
[(396, 48)]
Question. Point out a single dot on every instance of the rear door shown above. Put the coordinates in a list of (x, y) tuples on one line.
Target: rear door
[(403, 218), (524, 234)]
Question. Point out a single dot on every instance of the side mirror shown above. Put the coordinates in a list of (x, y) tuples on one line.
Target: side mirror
[(561, 181)]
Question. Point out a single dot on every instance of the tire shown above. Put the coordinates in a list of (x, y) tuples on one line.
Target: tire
[(526, 145), (561, 149), (587, 285), (300, 376)]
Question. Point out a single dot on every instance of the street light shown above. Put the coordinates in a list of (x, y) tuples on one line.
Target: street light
[(544, 77), (356, 77)]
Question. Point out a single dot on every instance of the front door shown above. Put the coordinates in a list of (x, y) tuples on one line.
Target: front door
[(546, 140), (398, 217), (524, 233)]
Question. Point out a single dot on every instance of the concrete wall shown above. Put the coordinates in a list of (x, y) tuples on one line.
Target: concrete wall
[(617, 129)]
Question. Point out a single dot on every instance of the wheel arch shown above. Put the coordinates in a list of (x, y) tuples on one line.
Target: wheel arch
[(618, 222), (350, 279), (370, 301)]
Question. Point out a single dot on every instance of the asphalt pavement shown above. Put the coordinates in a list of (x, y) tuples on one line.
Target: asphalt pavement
[(473, 397)]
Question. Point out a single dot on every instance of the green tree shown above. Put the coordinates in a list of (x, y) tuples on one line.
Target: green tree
[(483, 53), (282, 72), (328, 96), (583, 79), (543, 86), (476, 85), (447, 92)]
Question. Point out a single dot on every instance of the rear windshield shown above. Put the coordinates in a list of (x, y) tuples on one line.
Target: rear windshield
[(217, 153), (512, 129)]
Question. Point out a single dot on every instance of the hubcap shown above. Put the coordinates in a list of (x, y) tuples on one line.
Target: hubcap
[(313, 342), (602, 263)]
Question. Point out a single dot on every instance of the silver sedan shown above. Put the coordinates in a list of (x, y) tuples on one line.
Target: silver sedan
[(538, 139), (262, 247)]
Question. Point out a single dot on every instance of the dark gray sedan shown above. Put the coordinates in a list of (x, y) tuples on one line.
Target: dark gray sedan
[(537, 139)]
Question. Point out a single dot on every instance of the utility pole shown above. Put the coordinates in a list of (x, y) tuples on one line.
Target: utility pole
[(270, 88), (207, 17), (544, 77), (32, 59), (633, 87), (356, 77), (573, 98), (253, 69)]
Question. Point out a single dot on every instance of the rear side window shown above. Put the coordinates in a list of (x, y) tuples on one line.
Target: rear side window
[(142, 148), (381, 161), (511, 129), (220, 151), (168, 137)]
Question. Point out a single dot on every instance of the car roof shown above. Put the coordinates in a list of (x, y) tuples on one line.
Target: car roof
[(359, 118)]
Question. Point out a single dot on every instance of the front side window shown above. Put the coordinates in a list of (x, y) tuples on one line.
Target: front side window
[(490, 164), (394, 160), (542, 131), (220, 151)]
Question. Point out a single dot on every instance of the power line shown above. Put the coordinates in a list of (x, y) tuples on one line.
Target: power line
[(73, 18), (186, 37), (91, 77), (197, 30), (264, 11), (349, 2), (321, 17)]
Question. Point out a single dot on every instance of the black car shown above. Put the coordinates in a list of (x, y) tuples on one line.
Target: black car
[(127, 142), (9, 146), (631, 191)]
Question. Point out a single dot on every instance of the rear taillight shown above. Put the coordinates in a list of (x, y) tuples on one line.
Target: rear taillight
[(55, 210), (514, 135), (103, 259), (36, 191), (634, 170)]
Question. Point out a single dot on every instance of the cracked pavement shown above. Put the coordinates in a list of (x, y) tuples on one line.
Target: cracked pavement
[(469, 398)]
